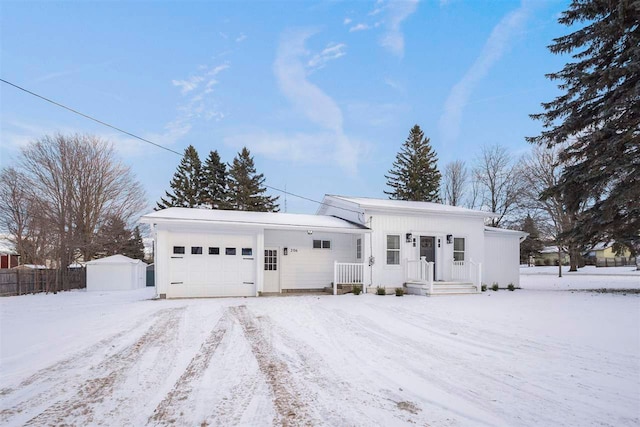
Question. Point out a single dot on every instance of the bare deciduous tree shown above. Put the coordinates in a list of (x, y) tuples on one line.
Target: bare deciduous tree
[(498, 180), (454, 182), (542, 170), (72, 185)]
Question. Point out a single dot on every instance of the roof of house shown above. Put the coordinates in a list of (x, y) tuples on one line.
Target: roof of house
[(505, 231), (405, 205), (256, 219), (550, 250), (114, 259)]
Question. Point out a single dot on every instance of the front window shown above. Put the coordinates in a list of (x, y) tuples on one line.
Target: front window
[(458, 249), (393, 249), (322, 244)]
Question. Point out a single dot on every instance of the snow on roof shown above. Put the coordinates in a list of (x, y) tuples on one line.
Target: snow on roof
[(114, 259), (601, 246), (550, 250), (262, 219), (505, 231), (386, 204)]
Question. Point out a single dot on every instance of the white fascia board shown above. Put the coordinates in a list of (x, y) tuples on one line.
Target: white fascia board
[(402, 211), (252, 225)]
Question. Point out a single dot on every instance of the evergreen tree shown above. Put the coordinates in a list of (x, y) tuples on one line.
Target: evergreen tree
[(215, 192), (532, 244), (112, 238), (415, 175), (598, 119), (187, 183), (246, 187), (134, 246)]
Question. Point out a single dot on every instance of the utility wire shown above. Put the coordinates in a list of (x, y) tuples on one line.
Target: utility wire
[(153, 143), (89, 117)]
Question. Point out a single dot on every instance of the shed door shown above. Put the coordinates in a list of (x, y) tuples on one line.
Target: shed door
[(271, 270)]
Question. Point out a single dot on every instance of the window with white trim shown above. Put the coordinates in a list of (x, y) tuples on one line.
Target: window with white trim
[(458, 248), (359, 249), (393, 249), (322, 244)]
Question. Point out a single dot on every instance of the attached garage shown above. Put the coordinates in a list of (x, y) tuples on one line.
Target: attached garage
[(217, 253), (116, 273)]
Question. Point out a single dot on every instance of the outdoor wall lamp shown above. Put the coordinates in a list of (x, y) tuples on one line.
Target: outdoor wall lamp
[(449, 238), (409, 238)]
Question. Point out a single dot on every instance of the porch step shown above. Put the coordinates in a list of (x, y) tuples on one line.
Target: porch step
[(442, 288)]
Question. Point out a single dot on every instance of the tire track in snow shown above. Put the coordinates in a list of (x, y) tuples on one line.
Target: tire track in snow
[(167, 411), (79, 409), (290, 409)]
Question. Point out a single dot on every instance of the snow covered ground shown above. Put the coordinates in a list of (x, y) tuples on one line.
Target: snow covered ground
[(532, 357), (588, 277)]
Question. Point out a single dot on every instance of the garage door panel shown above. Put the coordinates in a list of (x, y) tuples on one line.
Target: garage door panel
[(211, 275)]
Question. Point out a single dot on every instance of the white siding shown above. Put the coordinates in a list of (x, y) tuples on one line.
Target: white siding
[(304, 267), (503, 259), (382, 224), (115, 277)]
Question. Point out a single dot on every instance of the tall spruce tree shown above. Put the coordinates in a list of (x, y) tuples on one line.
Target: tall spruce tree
[(532, 244), (246, 187), (186, 184), (598, 117), (112, 238), (415, 175), (215, 191), (135, 246)]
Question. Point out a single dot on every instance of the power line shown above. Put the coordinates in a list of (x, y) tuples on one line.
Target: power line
[(153, 143), (88, 117)]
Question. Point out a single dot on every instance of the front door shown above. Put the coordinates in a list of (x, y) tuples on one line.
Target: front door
[(271, 270), (428, 250)]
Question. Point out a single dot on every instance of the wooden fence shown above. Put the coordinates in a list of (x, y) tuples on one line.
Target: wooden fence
[(33, 281)]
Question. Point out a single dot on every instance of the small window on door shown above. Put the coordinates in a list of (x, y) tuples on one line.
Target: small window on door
[(196, 250), (247, 251), (270, 260), (214, 251), (178, 250), (230, 251), (359, 249), (458, 249)]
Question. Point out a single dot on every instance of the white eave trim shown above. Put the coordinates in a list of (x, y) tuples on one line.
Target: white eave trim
[(254, 225)]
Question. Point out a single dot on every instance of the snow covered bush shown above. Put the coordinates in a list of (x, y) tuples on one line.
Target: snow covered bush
[(357, 290), (399, 292), (484, 287), (380, 290), (511, 287), (494, 287)]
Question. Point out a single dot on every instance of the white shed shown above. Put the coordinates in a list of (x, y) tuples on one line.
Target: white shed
[(116, 273)]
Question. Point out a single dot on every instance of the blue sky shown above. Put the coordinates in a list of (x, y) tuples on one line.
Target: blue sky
[(322, 93)]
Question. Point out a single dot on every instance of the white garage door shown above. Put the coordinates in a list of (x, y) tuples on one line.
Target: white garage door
[(203, 265)]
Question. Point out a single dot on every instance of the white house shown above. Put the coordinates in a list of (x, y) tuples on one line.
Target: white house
[(428, 247), (115, 273)]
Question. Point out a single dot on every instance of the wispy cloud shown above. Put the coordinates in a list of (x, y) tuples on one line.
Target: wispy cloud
[(329, 53), (359, 27), (394, 84), (347, 21), (188, 85), (494, 48), (310, 100), (71, 71), (242, 37), (397, 12)]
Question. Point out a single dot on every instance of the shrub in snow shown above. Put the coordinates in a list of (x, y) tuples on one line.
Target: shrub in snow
[(494, 286), (399, 292), (511, 287), (357, 289), (380, 290), (484, 287)]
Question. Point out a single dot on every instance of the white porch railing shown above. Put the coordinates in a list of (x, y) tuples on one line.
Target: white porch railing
[(463, 271), (347, 273), (421, 271)]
